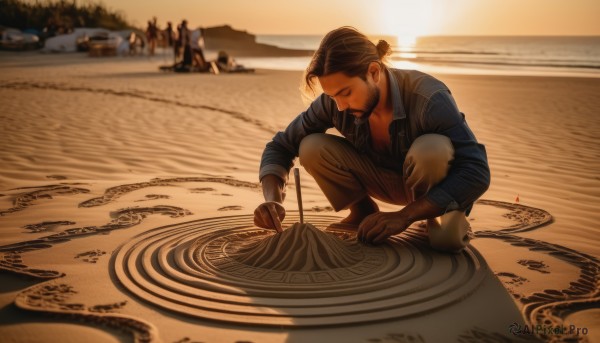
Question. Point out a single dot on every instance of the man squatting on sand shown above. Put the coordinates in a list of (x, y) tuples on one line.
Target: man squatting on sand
[(404, 142)]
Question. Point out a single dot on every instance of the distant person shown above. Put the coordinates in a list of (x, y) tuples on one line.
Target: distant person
[(178, 44), (152, 35), (132, 43), (170, 34), (225, 61), (228, 64), (197, 46), (186, 44), (404, 142)]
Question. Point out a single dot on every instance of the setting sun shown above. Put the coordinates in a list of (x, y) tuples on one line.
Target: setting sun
[(405, 19)]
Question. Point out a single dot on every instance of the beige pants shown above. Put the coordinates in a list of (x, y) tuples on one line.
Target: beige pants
[(346, 176)]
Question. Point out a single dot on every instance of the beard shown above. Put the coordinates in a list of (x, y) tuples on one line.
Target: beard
[(372, 101)]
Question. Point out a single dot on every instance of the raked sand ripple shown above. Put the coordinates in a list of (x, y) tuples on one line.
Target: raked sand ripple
[(216, 269)]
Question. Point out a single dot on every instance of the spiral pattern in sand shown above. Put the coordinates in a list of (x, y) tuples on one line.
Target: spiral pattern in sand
[(207, 269)]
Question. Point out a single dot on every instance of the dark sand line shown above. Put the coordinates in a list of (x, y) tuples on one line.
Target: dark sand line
[(52, 299), (246, 118)]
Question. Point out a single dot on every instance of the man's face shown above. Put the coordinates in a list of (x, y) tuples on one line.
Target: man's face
[(353, 94)]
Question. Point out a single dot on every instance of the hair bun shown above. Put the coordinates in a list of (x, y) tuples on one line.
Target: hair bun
[(383, 48)]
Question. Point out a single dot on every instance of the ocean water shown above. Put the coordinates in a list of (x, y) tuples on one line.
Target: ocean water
[(553, 56)]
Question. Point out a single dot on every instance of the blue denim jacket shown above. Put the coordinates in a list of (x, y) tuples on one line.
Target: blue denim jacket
[(421, 104)]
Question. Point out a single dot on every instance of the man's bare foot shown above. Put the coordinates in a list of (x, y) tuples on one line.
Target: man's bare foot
[(359, 210)]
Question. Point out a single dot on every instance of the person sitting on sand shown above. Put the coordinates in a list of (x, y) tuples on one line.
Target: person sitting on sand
[(197, 46), (226, 63), (404, 142)]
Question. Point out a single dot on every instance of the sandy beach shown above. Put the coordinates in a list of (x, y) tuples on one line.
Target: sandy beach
[(117, 180)]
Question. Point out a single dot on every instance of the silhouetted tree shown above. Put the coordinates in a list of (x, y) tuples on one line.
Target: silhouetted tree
[(59, 15)]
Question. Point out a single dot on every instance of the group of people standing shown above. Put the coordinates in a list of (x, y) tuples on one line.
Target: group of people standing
[(187, 45)]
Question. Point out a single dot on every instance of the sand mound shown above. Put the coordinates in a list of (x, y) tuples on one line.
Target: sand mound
[(303, 248)]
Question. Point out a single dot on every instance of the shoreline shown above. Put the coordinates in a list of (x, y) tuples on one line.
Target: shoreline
[(450, 69)]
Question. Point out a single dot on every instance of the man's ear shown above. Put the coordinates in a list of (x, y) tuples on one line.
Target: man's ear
[(375, 71)]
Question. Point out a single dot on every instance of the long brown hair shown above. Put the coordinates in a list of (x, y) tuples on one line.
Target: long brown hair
[(344, 50)]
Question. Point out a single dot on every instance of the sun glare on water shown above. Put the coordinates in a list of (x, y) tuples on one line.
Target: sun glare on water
[(406, 20)]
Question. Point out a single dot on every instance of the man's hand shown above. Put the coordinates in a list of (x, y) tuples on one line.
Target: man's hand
[(269, 215), (377, 227)]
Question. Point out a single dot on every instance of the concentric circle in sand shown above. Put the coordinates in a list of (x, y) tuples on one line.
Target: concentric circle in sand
[(195, 269)]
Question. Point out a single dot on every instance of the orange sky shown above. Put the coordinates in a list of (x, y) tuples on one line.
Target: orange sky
[(398, 17)]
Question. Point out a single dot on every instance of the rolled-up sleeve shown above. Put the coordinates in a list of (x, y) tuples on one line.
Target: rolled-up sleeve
[(469, 174), (279, 154)]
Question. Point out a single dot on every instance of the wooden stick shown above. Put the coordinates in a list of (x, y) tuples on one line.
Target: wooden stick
[(299, 194)]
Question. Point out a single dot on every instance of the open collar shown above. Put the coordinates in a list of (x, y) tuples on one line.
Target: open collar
[(397, 105)]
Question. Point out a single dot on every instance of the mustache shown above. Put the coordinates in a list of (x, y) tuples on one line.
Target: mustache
[(355, 111)]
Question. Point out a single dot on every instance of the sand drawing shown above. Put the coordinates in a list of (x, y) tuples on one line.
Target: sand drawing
[(511, 278), (551, 306), (526, 218), (315, 274), (202, 190), (28, 198), (538, 266), (10, 254), (149, 197), (114, 193), (47, 226), (91, 256), (52, 298), (216, 269), (230, 208)]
